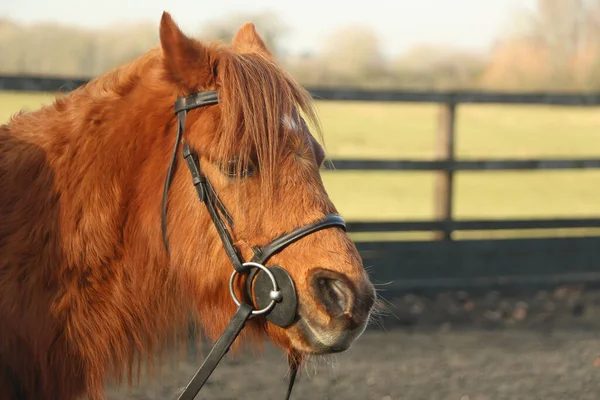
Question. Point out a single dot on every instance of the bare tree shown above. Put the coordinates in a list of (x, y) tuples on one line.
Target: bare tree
[(271, 28), (352, 55), (438, 67), (556, 46)]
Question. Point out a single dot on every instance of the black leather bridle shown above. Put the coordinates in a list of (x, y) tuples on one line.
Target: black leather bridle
[(273, 290)]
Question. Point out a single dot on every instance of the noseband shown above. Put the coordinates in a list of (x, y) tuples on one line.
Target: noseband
[(274, 290)]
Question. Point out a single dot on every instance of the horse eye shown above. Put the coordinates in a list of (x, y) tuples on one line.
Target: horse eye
[(231, 169)]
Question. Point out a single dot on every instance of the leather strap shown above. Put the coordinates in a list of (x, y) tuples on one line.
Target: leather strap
[(293, 373), (180, 122), (219, 204), (262, 254), (219, 350), (196, 100), (182, 106), (207, 195)]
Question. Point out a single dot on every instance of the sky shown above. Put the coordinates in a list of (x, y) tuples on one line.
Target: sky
[(401, 24)]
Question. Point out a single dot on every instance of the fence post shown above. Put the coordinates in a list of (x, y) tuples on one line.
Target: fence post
[(444, 179)]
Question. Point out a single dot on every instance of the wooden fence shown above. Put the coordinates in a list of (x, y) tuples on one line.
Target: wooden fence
[(446, 263)]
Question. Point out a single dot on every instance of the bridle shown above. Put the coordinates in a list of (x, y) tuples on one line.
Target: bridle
[(274, 290)]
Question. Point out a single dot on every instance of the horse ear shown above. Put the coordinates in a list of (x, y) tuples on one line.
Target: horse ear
[(186, 60), (248, 40)]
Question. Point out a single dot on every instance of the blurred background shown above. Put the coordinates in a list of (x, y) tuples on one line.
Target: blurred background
[(466, 141)]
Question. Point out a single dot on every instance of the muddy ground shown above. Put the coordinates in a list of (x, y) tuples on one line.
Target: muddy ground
[(541, 345)]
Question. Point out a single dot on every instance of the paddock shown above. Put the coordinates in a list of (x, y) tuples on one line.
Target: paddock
[(446, 259), (551, 353)]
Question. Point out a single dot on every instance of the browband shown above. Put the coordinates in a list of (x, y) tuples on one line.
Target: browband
[(196, 100)]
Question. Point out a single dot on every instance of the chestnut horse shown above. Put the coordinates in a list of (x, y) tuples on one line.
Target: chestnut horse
[(88, 287)]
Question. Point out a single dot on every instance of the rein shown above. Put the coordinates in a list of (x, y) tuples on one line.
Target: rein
[(274, 290)]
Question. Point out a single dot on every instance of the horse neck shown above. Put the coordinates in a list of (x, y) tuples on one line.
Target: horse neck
[(110, 153), (76, 214)]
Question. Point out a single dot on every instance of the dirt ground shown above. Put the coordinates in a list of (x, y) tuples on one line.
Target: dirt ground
[(451, 346)]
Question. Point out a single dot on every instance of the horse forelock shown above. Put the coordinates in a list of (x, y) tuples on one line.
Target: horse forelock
[(259, 102)]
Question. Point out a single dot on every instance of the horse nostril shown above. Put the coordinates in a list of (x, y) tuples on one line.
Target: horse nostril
[(333, 293)]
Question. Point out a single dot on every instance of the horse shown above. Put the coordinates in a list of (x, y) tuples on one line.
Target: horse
[(101, 266)]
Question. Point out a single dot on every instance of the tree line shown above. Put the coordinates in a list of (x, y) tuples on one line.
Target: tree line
[(554, 47)]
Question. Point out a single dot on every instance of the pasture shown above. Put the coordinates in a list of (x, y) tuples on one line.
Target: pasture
[(403, 130)]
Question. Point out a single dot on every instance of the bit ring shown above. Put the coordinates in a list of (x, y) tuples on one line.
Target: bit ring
[(275, 293)]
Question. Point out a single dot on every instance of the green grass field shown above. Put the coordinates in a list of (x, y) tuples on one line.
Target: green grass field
[(407, 130)]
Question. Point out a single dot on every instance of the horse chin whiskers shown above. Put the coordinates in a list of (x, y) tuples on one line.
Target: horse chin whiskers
[(324, 338), (315, 340)]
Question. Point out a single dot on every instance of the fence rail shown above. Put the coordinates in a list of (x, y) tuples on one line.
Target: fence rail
[(448, 263), (473, 225), (457, 97), (57, 83), (462, 165)]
